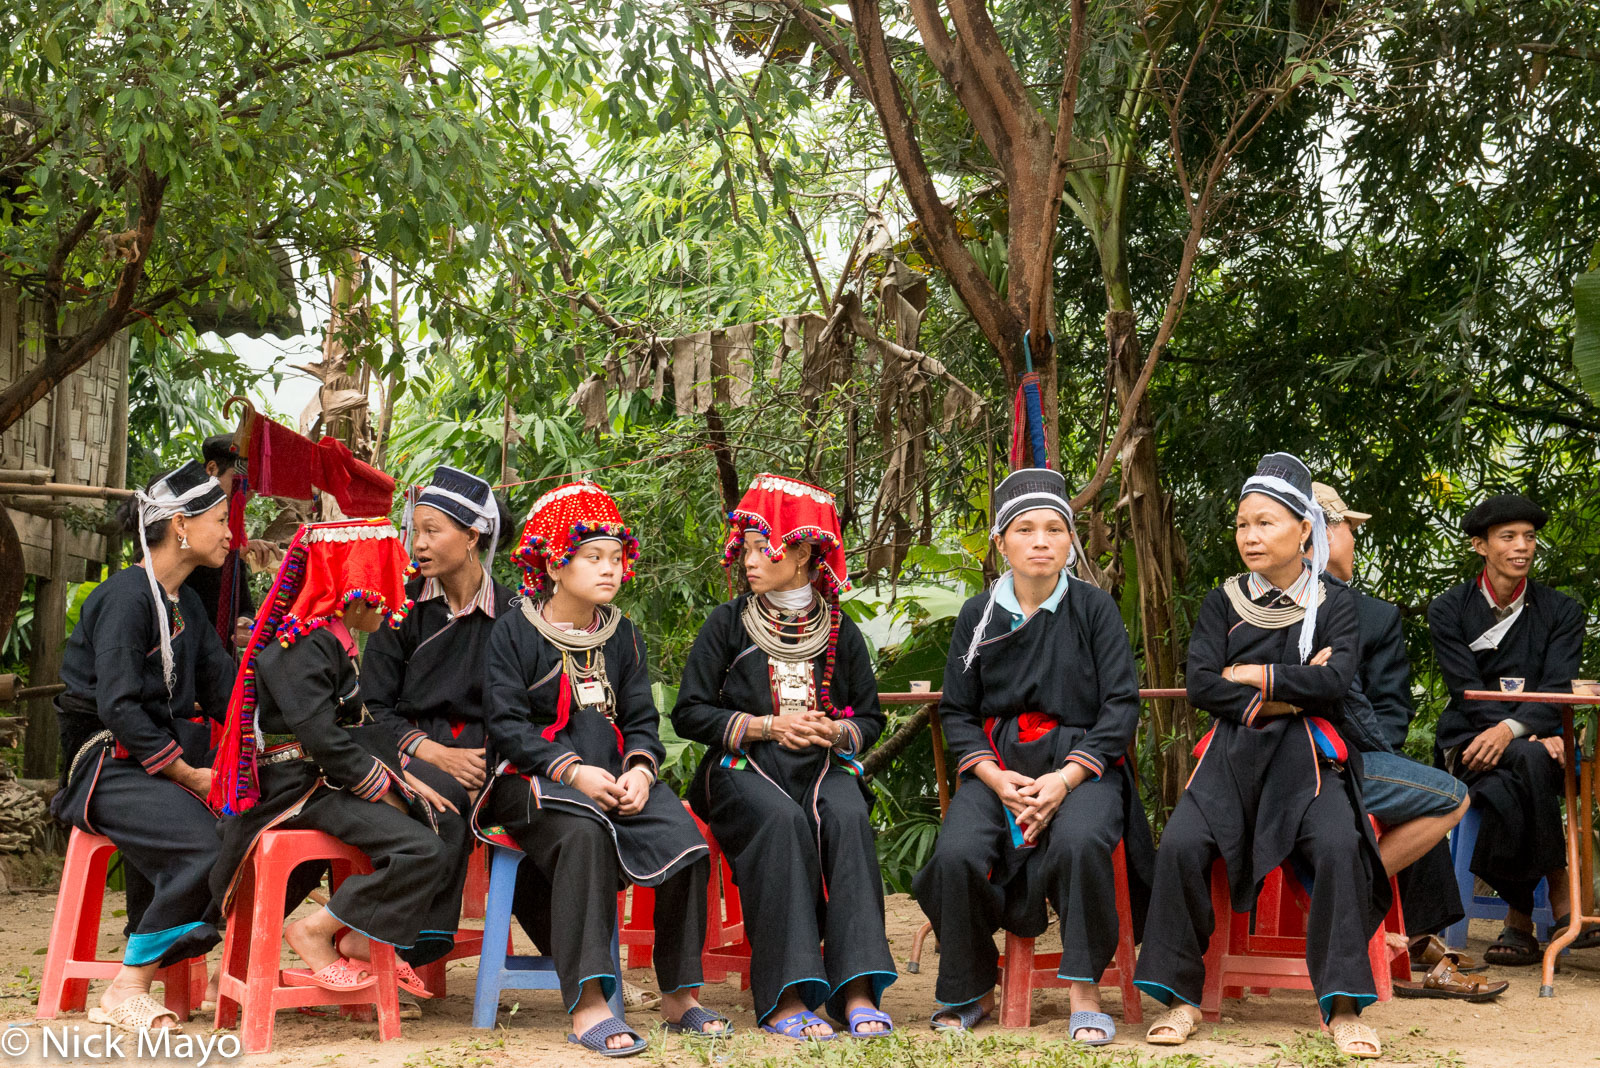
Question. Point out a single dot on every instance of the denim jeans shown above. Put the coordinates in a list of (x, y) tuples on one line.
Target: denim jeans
[(1397, 789)]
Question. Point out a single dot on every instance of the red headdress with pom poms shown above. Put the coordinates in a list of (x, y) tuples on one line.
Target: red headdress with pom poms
[(788, 512), (558, 522), (327, 566)]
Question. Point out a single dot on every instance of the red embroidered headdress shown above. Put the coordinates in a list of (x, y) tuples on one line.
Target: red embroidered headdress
[(788, 512), (327, 566), (559, 522)]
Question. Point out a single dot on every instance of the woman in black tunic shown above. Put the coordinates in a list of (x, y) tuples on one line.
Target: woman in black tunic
[(1040, 704), (779, 687), (424, 679), (138, 769), (1272, 653), (572, 732), (326, 766)]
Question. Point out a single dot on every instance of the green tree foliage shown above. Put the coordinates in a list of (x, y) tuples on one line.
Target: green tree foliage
[(154, 157)]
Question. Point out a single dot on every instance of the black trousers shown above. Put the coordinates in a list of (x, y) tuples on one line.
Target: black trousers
[(1172, 964), (168, 840), (1430, 900), (815, 916), (575, 856), (1521, 836), (412, 898), (1070, 866)]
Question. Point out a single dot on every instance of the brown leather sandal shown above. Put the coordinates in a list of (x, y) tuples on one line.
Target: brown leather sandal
[(1447, 981), (1430, 950)]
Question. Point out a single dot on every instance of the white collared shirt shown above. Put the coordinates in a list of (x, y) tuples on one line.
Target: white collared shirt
[(1300, 591), (1005, 595), (483, 601)]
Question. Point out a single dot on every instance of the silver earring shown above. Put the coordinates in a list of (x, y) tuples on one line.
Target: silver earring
[(183, 541)]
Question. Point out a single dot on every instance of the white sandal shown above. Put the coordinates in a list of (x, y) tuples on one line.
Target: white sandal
[(1346, 1035), (637, 998), (1178, 1022), (135, 1015)]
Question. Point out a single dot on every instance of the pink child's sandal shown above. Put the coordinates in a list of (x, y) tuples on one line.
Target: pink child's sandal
[(342, 975), (405, 977)]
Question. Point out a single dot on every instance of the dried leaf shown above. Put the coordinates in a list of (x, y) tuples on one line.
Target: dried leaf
[(590, 399), (740, 357)]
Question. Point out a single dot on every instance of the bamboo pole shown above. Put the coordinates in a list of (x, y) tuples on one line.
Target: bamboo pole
[(61, 489)]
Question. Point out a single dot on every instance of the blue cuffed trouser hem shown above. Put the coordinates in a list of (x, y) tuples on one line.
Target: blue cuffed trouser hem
[(811, 997), (608, 987), (148, 947), (1361, 1000), (1163, 994)]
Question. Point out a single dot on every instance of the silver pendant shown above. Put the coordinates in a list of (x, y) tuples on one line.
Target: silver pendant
[(591, 692)]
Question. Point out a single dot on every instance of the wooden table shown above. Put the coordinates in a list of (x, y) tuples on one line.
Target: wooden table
[(1580, 820)]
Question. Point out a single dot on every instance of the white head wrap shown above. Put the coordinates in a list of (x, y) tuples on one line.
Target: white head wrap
[(1305, 507), (163, 501), (1022, 491), (464, 497)]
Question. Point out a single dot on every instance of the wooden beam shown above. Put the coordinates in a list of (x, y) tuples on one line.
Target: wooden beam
[(62, 489)]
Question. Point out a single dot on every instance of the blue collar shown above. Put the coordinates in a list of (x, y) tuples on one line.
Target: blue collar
[(1005, 595)]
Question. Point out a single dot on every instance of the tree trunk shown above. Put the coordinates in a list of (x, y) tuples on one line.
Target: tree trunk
[(12, 575), (1172, 722), (727, 474)]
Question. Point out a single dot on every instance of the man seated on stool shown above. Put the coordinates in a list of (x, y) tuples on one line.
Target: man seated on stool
[(1416, 804), (1503, 631)]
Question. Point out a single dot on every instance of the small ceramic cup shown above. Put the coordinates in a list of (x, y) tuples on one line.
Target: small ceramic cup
[(1512, 685)]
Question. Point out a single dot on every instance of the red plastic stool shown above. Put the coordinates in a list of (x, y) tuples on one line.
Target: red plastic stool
[(469, 943), (1037, 971), (1273, 955), (726, 948), (251, 983), (476, 891), (70, 961), (469, 940), (636, 924)]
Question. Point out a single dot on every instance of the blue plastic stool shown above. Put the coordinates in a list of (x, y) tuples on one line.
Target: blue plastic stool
[(1485, 906), (500, 970)]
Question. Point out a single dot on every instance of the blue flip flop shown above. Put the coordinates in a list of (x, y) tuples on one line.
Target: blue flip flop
[(971, 1015), (693, 1022), (1097, 1021), (857, 1017), (594, 1039), (793, 1026)]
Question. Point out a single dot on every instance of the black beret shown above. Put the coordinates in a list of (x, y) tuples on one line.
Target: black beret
[(1503, 508), (219, 449)]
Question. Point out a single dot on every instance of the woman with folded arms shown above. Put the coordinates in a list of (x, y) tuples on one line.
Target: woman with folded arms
[(574, 741), (1271, 658)]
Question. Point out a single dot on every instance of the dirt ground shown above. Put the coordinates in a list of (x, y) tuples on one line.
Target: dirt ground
[(1519, 1030)]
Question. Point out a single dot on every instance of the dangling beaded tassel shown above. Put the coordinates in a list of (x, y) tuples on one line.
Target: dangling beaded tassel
[(825, 698)]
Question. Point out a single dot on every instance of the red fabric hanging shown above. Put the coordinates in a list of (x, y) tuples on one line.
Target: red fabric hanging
[(285, 464)]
